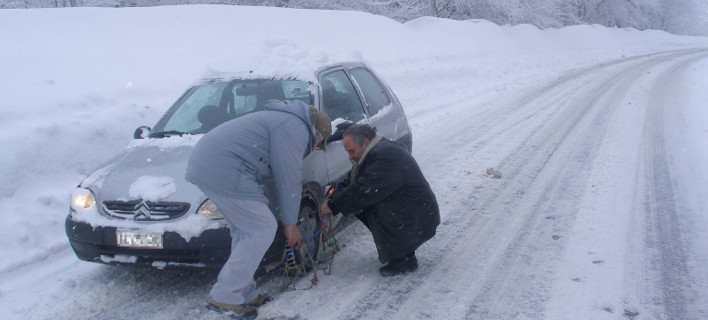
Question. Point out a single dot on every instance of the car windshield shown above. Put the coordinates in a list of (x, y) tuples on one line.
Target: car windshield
[(209, 104)]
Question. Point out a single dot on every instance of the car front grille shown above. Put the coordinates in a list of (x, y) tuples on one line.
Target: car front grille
[(145, 210)]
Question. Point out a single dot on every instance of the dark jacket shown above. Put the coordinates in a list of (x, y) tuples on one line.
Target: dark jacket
[(392, 198)]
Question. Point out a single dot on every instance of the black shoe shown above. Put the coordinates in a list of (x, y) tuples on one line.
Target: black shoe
[(405, 264)]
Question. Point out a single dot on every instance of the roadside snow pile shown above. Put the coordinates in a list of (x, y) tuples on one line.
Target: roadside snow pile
[(77, 82)]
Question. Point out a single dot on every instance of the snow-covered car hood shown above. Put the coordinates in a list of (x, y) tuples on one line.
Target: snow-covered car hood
[(149, 169)]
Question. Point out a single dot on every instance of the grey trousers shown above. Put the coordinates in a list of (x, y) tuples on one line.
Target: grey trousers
[(252, 227)]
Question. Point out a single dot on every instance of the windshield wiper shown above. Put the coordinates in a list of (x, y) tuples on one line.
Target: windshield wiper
[(162, 134)]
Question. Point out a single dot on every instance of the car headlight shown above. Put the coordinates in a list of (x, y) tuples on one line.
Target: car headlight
[(82, 200), (209, 210)]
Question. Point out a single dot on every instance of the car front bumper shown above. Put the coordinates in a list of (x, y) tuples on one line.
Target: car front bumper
[(99, 244)]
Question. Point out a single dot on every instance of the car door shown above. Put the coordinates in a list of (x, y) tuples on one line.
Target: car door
[(340, 99), (385, 113)]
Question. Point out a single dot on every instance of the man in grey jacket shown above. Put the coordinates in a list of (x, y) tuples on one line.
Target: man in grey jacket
[(230, 163)]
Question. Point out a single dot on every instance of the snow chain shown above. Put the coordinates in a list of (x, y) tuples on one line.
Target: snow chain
[(327, 246)]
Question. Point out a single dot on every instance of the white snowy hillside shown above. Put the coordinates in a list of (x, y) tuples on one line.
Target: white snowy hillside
[(600, 136)]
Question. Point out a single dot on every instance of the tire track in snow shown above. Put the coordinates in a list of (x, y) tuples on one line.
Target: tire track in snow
[(666, 236), (534, 207), (580, 137)]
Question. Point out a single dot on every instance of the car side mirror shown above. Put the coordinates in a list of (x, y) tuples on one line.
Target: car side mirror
[(141, 132), (339, 132)]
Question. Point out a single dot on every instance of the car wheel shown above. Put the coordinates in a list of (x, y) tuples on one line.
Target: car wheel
[(308, 224)]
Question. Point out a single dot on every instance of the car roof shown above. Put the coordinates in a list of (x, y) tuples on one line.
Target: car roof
[(347, 65), (308, 73)]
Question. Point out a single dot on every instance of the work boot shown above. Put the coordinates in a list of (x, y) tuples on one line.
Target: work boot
[(405, 264), (260, 300), (242, 311)]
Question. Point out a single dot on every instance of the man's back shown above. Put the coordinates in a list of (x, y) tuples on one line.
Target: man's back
[(233, 158)]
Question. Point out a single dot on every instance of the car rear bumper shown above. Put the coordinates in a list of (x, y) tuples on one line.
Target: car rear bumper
[(99, 244)]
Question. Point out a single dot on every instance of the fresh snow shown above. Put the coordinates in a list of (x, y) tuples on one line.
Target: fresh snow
[(152, 188), (170, 142), (600, 137)]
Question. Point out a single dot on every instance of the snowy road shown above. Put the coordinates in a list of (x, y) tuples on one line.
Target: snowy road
[(586, 158), (565, 149)]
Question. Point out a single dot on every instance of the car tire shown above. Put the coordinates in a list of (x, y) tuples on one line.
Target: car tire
[(309, 223)]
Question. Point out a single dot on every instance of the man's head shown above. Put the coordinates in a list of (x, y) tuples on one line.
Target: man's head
[(356, 140), (323, 126)]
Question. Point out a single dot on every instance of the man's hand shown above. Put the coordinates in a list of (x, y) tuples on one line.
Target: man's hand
[(325, 210), (293, 235)]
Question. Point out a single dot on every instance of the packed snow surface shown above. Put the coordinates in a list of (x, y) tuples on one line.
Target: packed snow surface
[(599, 136)]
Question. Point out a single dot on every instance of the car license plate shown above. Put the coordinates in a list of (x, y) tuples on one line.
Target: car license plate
[(139, 239)]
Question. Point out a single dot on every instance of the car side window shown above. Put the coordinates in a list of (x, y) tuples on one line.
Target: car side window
[(374, 94), (339, 98)]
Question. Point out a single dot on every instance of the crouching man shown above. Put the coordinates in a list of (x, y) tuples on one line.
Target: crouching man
[(387, 191)]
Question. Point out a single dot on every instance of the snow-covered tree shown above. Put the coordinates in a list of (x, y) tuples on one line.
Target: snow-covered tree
[(677, 16), (685, 17), (622, 13)]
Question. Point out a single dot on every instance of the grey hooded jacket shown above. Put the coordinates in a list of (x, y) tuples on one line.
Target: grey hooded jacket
[(239, 156)]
